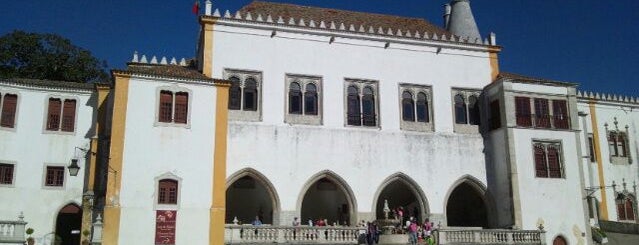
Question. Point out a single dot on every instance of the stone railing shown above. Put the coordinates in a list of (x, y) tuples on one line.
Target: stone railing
[(236, 234), (454, 236), (12, 231)]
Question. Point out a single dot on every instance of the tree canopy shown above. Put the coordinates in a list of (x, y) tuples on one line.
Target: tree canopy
[(47, 56)]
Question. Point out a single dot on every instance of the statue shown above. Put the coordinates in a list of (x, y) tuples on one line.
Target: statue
[(386, 209)]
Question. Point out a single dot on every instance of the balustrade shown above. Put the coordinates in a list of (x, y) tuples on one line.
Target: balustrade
[(236, 234), (523, 237), (12, 231)]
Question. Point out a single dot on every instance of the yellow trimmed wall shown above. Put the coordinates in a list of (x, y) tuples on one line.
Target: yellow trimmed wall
[(111, 229), (595, 134)]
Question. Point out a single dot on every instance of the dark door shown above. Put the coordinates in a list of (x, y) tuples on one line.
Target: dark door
[(67, 226)]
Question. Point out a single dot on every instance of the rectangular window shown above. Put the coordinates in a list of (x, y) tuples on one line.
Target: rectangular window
[(68, 116), (166, 106), (8, 116), (361, 103), (495, 115), (548, 160), (6, 174), (181, 107), (542, 113), (560, 114), (55, 176), (167, 191), (53, 114), (522, 111), (591, 148)]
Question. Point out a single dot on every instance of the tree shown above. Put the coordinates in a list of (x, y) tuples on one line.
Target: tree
[(47, 56)]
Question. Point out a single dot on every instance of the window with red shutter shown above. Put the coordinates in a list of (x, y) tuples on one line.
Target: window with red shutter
[(541, 169), (54, 176), (542, 113), (560, 114), (167, 191), (630, 211), (9, 104), (554, 167), (621, 210), (166, 106), (68, 116), (522, 111), (6, 174), (181, 107), (53, 114)]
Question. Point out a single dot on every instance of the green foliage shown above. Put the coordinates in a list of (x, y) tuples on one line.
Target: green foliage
[(29, 231), (47, 56)]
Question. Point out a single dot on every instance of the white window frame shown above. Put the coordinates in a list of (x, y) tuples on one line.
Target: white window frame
[(173, 89), (415, 89), (546, 143), (44, 176), (156, 194), (361, 84), (241, 114), (303, 118)]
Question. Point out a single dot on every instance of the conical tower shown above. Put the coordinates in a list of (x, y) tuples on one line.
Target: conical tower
[(460, 20)]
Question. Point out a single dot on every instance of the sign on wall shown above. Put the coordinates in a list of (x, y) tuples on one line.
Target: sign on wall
[(165, 226)]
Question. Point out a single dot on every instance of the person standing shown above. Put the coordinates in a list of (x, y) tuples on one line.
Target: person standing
[(295, 223), (412, 232)]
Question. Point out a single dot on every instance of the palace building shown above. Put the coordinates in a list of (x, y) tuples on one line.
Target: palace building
[(292, 111)]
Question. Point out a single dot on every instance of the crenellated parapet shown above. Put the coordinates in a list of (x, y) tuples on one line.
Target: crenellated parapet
[(607, 97), (154, 60), (333, 26)]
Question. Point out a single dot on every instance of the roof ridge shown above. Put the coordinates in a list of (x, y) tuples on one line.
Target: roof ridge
[(336, 9)]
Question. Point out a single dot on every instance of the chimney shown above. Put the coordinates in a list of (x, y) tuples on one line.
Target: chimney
[(447, 10), (461, 21), (208, 6)]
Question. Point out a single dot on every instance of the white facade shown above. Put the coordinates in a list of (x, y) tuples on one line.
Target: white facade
[(30, 148)]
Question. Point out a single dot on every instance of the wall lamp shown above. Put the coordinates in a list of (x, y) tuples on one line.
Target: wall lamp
[(74, 168)]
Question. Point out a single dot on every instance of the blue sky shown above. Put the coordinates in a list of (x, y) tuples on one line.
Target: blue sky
[(591, 42)]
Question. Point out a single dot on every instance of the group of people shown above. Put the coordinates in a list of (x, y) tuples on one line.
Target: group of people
[(417, 231)]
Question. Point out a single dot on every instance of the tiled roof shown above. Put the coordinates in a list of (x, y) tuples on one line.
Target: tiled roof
[(164, 71), (48, 83), (327, 15), (528, 79)]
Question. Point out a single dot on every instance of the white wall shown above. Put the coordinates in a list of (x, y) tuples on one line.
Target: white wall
[(151, 151), (30, 148)]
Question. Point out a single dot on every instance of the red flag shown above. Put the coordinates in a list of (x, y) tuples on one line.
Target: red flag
[(196, 7)]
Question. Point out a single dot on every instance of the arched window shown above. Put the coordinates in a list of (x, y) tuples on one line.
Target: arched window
[(625, 207), (368, 107), (473, 110), (235, 94), (295, 98), (460, 110), (353, 106), (250, 94), (408, 107), (167, 191), (422, 108), (310, 100)]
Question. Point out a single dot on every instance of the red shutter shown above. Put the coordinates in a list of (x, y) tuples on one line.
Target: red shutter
[(560, 114), (554, 166), (542, 113), (540, 162), (9, 110), (53, 114), (181, 107), (522, 111), (166, 107), (630, 211), (68, 116), (167, 193)]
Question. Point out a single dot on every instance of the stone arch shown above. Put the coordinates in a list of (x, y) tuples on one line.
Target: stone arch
[(560, 240), (264, 182), (412, 185), (341, 184), (474, 184), (68, 218)]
